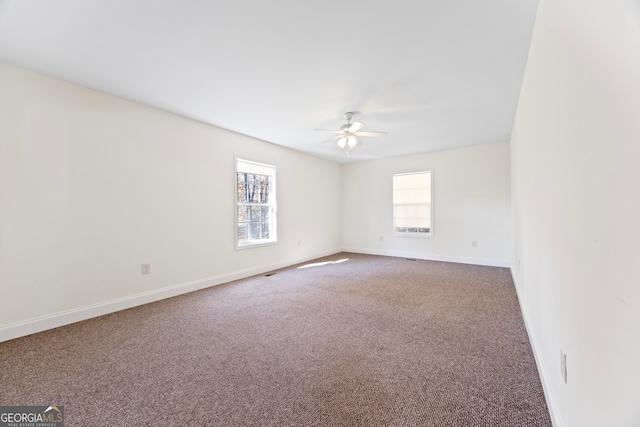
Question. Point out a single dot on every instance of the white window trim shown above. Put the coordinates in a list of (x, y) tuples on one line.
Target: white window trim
[(429, 235), (272, 194)]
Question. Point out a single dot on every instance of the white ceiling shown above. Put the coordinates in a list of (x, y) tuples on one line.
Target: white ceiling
[(433, 74)]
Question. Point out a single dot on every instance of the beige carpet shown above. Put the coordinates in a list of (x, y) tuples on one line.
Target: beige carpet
[(370, 341)]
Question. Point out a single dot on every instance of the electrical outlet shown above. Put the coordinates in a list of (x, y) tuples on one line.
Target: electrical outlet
[(474, 243), (299, 243), (382, 238), (563, 365), (146, 268)]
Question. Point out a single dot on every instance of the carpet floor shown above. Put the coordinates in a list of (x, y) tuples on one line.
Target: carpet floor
[(345, 340)]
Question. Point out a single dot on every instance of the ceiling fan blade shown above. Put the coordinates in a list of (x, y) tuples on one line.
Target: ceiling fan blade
[(332, 131), (355, 127), (333, 138), (371, 133)]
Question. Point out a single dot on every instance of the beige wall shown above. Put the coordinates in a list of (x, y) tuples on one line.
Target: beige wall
[(92, 186), (471, 203), (575, 189)]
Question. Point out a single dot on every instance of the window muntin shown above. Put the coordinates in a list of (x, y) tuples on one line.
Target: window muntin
[(413, 204), (255, 203)]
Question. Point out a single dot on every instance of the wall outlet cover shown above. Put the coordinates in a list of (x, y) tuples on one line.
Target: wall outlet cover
[(563, 366)]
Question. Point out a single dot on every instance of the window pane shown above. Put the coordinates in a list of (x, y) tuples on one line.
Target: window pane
[(241, 187), (264, 189), (255, 213), (242, 214), (251, 188), (264, 232), (243, 232), (254, 230)]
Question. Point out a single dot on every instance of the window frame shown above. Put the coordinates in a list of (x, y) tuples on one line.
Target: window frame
[(430, 234), (273, 234)]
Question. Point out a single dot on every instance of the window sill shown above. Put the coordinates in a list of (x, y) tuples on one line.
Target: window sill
[(255, 245), (414, 235)]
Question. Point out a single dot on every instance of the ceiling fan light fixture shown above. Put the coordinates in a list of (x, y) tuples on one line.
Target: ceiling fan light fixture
[(342, 142), (352, 141)]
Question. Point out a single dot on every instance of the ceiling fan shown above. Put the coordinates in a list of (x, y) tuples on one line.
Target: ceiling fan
[(347, 135)]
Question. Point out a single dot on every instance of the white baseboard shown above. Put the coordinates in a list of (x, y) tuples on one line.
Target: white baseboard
[(432, 257), (43, 323), (548, 393)]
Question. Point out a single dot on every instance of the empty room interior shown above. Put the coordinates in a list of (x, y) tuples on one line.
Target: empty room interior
[(227, 188)]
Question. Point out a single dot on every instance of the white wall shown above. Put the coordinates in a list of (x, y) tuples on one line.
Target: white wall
[(576, 179), (471, 201), (92, 186)]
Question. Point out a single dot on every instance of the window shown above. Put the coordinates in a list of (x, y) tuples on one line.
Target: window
[(413, 204), (255, 203)]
